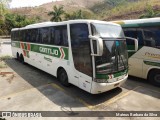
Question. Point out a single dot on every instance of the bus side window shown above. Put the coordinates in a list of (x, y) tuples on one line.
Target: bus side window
[(27, 35), (45, 35), (57, 38), (52, 35), (61, 36), (65, 36), (12, 35), (130, 33), (149, 37), (21, 35), (140, 37)]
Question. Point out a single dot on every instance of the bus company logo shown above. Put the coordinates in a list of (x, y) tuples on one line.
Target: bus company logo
[(48, 51), (152, 55)]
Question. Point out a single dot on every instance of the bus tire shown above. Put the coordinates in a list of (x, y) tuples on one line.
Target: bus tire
[(63, 77), (17, 56), (154, 77), (22, 59)]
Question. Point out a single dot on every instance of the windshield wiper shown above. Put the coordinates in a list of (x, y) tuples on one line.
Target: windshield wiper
[(122, 60)]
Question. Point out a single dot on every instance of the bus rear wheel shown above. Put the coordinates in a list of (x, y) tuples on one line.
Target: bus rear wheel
[(21, 59), (17, 57), (63, 77), (154, 77)]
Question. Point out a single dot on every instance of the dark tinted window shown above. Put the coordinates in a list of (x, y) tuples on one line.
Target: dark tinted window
[(44, 35), (12, 35), (52, 35), (81, 48), (22, 35), (134, 33), (151, 36), (15, 35), (28, 35), (60, 36)]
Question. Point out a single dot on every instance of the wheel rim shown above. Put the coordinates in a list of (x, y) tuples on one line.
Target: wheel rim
[(157, 78)]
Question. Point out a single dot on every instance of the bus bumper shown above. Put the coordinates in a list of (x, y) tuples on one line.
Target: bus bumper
[(103, 87)]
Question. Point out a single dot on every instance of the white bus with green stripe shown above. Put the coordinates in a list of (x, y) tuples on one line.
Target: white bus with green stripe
[(89, 54), (145, 63)]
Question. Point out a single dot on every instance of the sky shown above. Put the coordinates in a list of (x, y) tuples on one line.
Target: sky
[(28, 3)]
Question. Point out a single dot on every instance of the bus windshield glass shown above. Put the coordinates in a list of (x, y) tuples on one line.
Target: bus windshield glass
[(107, 30), (115, 56)]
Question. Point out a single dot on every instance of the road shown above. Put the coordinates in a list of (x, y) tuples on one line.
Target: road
[(26, 88)]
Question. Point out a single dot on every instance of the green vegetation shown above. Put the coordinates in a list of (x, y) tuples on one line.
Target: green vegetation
[(58, 14), (150, 12), (126, 9), (9, 20)]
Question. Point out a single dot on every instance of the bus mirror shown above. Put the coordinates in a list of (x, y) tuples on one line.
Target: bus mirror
[(98, 45), (135, 42)]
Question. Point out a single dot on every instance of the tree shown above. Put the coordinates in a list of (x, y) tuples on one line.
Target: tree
[(3, 11), (75, 15), (56, 13), (6, 2), (17, 21)]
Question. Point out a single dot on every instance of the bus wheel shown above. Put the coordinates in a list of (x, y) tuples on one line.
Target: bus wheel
[(63, 77), (17, 56), (154, 77), (21, 59)]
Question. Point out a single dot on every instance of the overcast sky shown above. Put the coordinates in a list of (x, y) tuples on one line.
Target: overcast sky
[(26, 3)]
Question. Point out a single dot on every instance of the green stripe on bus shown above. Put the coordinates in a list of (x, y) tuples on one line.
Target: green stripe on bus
[(152, 63), (104, 76), (47, 50), (141, 24)]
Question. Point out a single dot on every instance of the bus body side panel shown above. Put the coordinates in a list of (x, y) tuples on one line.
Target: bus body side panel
[(151, 60), (136, 63)]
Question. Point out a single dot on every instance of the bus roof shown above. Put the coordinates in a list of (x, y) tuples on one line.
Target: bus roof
[(47, 24), (139, 22)]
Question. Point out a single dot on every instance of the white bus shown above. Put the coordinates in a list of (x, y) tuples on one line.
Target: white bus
[(89, 54), (145, 63)]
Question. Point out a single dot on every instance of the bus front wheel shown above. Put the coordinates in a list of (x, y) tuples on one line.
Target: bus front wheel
[(63, 77), (154, 77)]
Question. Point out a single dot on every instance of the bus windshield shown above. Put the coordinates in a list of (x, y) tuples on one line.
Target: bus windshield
[(107, 30), (115, 56)]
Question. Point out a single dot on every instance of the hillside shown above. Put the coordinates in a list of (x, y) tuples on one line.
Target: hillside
[(127, 9), (101, 9), (69, 6)]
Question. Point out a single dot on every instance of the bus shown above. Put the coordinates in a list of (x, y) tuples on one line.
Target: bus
[(145, 63), (89, 54)]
